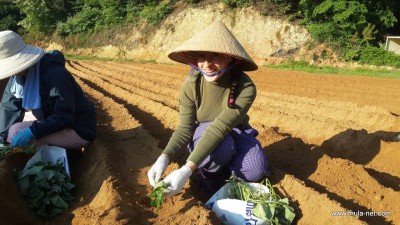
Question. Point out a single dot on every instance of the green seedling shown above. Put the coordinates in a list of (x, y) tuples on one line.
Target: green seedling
[(157, 195)]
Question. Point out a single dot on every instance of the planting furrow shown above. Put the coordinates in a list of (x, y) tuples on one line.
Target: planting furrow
[(163, 94), (304, 117), (330, 175), (122, 72), (154, 69), (315, 207), (154, 116), (362, 90), (146, 92)]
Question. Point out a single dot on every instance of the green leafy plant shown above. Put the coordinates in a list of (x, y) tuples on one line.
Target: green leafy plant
[(6, 151), (268, 206), (46, 187), (157, 195)]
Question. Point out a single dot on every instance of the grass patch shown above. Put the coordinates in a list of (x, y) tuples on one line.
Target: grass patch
[(84, 57), (305, 67)]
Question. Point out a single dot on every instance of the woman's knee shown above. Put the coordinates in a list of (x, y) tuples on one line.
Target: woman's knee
[(224, 151), (252, 167), (255, 174)]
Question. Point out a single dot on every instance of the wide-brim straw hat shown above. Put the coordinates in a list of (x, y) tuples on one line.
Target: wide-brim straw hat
[(15, 55), (215, 38)]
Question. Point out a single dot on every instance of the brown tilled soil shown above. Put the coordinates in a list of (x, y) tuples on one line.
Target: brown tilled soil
[(329, 140)]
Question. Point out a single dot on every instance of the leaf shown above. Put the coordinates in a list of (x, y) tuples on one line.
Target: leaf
[(23, 184), (49, 174), (68, 186), (66, 196), (35, 201), (284, 201), (259, 212), (33, 191), (41, 211), (56, 188), (289, 213), (158, 197), (58, 202)]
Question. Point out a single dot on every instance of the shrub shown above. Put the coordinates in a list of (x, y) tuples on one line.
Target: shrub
[(154, 13), (379, 57), (238, 3), (83, 22)]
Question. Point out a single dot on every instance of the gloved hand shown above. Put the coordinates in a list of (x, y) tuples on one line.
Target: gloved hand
[(22, 138), (157, 169), (175, 180)]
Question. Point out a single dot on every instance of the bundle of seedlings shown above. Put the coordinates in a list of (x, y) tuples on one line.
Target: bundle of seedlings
[(268, 205), (46, 187)]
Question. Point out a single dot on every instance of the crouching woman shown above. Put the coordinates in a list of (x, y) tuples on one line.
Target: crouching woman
[(42, 103), (213, 120)]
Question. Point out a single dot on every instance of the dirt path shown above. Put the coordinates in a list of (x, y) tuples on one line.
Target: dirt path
[(329, 140)]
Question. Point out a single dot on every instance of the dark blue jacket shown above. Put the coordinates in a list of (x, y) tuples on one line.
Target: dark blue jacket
[(63, 103)]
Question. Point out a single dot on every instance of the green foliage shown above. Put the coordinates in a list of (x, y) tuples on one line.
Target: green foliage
[(47, 188), (379, 57), (238, 3), (42, 15), (6, 150), (306, 67), (9, 15), (157, 195), (347, 25), (268, 205), (155, 12), (83, 22), (192, 2)]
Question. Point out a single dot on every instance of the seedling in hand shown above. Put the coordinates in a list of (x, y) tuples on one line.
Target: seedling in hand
[(157, 195)]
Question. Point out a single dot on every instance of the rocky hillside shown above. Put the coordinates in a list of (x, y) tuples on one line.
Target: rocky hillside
[(262, 36)]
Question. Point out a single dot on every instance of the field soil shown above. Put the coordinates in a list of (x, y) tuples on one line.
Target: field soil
[(330, 141)]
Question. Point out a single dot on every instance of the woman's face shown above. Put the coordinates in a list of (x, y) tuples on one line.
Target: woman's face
[(210, 63)]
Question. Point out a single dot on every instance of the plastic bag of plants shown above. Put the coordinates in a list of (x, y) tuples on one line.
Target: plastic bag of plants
[(45, 182), (240, 202)]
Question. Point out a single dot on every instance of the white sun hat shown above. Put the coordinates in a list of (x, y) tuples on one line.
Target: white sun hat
[(15, 55), (215, 38)]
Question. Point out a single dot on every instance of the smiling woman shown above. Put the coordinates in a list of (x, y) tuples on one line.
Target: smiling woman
[(214, 125)]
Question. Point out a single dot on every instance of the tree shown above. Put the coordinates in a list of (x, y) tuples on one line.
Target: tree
[(42, 15), (9, 15)]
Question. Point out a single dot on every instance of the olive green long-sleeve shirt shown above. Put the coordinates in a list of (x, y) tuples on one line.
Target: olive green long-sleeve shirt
[(210, 106)]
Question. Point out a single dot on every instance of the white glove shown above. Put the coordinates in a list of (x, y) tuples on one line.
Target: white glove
[(157, 169), (175, 180)]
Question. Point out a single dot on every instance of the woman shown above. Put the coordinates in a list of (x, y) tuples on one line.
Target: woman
[(213, 120), (42, 103)]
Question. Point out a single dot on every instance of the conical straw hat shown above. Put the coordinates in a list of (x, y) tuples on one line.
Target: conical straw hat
[(215, 38), (15, 55)]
